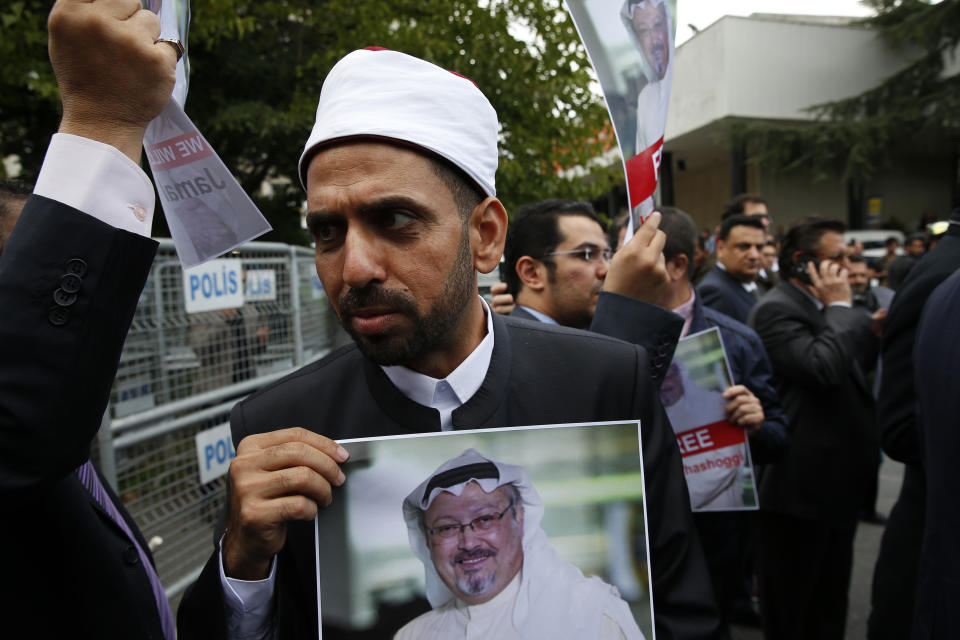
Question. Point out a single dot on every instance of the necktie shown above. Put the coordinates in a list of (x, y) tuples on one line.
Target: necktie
[(88, 476)]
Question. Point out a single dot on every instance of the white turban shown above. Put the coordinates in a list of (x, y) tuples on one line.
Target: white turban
[(377, 93)]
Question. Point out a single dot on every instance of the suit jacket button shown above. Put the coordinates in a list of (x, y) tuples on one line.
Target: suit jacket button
[(70, 282), (77, 267), (58, 316), (63, 298), (130, 555)]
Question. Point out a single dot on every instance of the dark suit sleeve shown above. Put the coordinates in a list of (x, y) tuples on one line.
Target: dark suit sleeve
[(813, 358), (716, 298), (654, 328), (769, 443), (896, 400), (683, 598), (937, 379), (69, 285)]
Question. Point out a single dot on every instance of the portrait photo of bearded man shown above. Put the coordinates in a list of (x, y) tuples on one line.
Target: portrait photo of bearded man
[(490, 570)]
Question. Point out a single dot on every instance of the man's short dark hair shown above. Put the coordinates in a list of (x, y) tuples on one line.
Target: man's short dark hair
[(613, 232), (11, 191), (857, 259), (890, 240), (535, 233), (804, 236), (465, 193), (738, 221), (738, 205), (681, 235)]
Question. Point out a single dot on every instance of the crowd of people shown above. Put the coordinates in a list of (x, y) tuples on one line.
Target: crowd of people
[(399, 172)]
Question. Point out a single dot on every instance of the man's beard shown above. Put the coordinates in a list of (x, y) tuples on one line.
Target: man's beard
[(474, 584), (477, 585), (431, 332)]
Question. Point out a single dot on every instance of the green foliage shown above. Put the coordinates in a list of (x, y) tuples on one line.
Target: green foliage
[(29, 101), (257, 67), (853, 138)]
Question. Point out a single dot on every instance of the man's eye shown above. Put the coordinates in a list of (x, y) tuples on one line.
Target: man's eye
[(395, 219), (326, 232), (483, 522)]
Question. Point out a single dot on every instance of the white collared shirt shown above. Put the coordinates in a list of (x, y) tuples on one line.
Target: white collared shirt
[(449, 393), (749, 287), (539, 315)]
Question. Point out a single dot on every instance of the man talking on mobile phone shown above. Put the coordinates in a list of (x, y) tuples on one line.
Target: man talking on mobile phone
[(819, 346)]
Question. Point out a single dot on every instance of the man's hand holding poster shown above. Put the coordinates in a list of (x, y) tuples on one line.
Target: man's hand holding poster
[(716, 456), (630, 45)]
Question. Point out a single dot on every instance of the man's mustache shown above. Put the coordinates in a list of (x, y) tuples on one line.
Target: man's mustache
[(474, 554), (375, 296)]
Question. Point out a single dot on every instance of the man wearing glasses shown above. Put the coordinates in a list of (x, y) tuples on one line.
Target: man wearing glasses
[(560, 270), (490, 572), (557, 258)]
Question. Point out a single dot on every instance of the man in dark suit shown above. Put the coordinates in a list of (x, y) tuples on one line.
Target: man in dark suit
[(818, 345), (74, 561), (937, 379), (727, 537), (557, 261), (730, 287), (403, 216), (895, 574)]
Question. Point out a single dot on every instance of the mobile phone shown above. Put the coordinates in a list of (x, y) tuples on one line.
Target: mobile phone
[(800, 267)]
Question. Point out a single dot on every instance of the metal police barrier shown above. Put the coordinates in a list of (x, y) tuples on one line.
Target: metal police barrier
[(200, 341)]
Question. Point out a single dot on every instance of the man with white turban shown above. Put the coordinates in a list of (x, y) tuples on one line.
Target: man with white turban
[(490, 572), (400, 177)]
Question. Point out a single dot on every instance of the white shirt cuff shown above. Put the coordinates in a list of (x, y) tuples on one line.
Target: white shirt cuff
[(249, 603), (98, 180), (841, 303)]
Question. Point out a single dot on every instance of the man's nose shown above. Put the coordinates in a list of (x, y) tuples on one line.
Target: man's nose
[(467, 538), (603, 266), (362, 259)]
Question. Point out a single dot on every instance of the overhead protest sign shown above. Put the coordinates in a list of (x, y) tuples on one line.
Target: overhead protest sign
[(431, 528), (630, 45), (207, 211), (716, 456)]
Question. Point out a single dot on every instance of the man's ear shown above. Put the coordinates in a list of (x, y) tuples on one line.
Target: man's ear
[(488, 232), (677, 267), (532, 273)]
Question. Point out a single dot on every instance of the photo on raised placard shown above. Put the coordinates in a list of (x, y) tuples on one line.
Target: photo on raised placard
[(716, 455)]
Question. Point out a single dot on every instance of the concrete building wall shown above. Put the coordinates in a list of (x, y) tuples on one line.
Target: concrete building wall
[(768, 68), (772, 68)]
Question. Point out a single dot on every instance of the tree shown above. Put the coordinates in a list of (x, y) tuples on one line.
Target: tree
[(257, 67), (856, 136)]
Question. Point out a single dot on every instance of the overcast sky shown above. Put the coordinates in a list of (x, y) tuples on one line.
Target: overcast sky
[(703, 13)]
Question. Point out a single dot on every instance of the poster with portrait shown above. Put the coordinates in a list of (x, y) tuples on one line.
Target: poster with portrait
[(542, 529), (207, 210), (716, 456), (630, 45)]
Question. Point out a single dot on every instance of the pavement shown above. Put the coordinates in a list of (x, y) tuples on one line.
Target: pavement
[(866, 548)]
